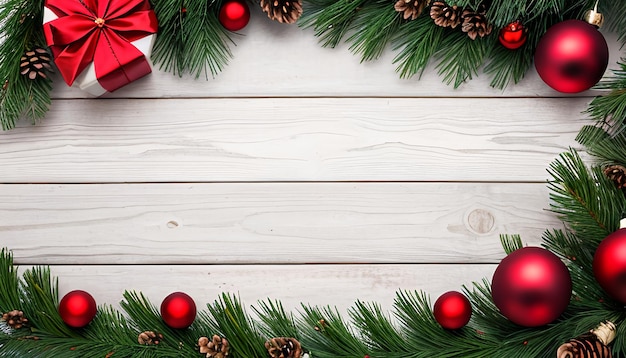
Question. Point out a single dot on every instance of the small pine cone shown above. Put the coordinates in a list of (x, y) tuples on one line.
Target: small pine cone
[(445, 15), (617, 174), (283, 11), (15, 319), (283, 347), (587, 345), (217, 347), (35, 63), (592, 344), (411, 8), (149, 338), (475, 23)]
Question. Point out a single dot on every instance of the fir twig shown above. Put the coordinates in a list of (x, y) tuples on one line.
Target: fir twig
[(21, 31)]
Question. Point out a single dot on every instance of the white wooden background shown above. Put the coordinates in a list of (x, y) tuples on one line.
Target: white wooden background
[(297, 174)]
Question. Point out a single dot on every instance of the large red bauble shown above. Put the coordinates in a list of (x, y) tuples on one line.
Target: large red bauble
[(77, 308), (531, 287), (571, 56), (609, 265), (234, 15), (178, 310), (452, 310)]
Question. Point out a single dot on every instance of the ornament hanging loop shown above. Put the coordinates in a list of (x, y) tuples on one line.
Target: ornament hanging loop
[(593, 17)]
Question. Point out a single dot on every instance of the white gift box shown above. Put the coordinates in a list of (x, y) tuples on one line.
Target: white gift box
[(87, 80)]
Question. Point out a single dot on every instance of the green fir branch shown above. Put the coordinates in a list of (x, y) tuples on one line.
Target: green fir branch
[(511, 243), (460, 58), (417, 42), (327, 335), (373, 29), (21, 31), (191, 41), (233, 322), (584, 198), (331, 20)]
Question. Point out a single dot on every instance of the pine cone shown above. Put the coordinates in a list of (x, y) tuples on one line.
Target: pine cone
[(445, 15), (283, 347), (589, 345), (475, 23), (15, 319), (411, 8), (217, 347), (35, 63), (617, 174), (149, 338), (283, 11)]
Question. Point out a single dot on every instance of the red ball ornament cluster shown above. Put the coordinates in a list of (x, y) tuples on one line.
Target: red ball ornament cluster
[(452, 310), (531, 287), (77, 308), (571, 56), (609, 265), (178, 310), (234, 15)]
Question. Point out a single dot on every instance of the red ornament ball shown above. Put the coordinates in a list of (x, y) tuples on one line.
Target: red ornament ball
[(234, 15), (452, 310), (531, 287), (571, 56), (178, 310), (77, 308), (609, 265), (513, 35)]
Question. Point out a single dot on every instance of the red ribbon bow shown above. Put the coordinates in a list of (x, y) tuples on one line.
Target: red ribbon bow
[(100, 31)]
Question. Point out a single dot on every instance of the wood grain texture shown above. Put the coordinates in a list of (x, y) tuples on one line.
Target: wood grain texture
[(274, 139), (273, 59), (269, 223), (335, 285)]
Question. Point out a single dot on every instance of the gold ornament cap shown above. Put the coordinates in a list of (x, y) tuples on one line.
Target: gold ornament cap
[(605, 332), (593, 17)]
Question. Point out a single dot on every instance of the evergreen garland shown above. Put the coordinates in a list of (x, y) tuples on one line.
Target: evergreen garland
[(192, 41), (586, 200)]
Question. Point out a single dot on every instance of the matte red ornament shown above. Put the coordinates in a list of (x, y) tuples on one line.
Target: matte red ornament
[(609, 265), (513, 35), (531, 287), (234, 15), (571, 56), (178, 310), (77, 308), (452, 310)]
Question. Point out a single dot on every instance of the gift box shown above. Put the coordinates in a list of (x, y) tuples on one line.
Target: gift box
[(100, 45)]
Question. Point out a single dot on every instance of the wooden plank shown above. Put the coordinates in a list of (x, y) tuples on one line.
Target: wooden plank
[(273, 59), (269, 223), (336, 285), (329, 139)]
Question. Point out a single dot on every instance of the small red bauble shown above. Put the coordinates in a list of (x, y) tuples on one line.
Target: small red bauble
[(452, 310), (178, 310), (531, 287), (571, 56), (234, 15), (609, 265), (77, 308), (513, 35)]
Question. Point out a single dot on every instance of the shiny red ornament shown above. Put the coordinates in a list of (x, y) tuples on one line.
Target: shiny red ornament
[(609, 265), (77, 308), (571, 56), (178, 310), (452, 310), (234, 15), (513, 35), (531, 287)]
